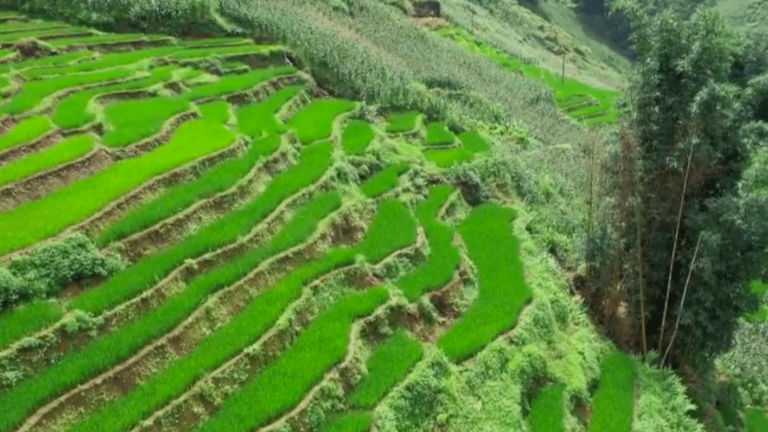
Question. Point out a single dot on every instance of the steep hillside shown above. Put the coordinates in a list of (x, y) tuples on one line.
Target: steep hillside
[(300, 216)]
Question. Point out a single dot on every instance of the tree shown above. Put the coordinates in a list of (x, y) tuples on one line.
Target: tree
[(697, 95)]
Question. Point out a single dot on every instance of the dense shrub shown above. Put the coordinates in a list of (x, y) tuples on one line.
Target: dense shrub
[(48, 269)]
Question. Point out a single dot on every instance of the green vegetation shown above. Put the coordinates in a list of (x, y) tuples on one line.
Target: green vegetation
[(357, 136), (315, 121), (30, 26), (217, 111), (756, 420), (282, 384), (147, 271), (37, 220), (402, 122), (33, 92), (547, 410), (193, 53), (25, 131), (443, 259), (72, 111), (384, 180), (235, 83), (103, 62), (393, 228), (603, 110), (46, 61), (473, 143), (65, 151), (219, 41), (493, 249), (34, 315), (387, 365), (759, 289), (355, 421), (218, 179), (9, 38), (438, 135), (130, 121), (259, 118), (101, 39), (243, 330), (614, 399)]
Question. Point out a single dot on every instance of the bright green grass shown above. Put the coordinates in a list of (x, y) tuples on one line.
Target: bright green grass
[(223, 41), (393, 228), (193, 53), (384, 180), (473, 143), (236, 83), (314, 162), (438, 135), (72, 111), (103, 62), (757, 420), (33, 92), (103, 39), (493, 249), (30, 26), (548, 410), (36, 220), (217, 111), (565, 91), (258, 118), (35, 314), (226, 341), (218, 179), (760, 289), (65, 151), (6, 38), (45, 62), (355, 421), (4, 82), (443, 259), (402, 122), (103, 352), (26, 131), (387, 365), (614, 399), (132, 120), (282, 384), (357, 136), (315, 121)]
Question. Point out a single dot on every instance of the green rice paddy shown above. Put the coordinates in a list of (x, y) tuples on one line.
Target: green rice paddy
[(357, 136), (384, 180), (315, 121), (63, 152), (548, 410), (614, 400), (438, 135), (235, 83), (131, 121), (355, 421), (503, 292), (25, 131), (402, 122), (259, 118), (756, 420)]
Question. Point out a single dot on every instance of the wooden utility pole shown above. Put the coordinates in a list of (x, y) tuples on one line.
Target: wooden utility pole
[(563, 75)]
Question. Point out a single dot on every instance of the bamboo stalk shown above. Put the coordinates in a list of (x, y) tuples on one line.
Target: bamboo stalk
[(685, 291), (674, 246)]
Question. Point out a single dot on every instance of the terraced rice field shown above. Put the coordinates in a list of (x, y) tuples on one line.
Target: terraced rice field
[(254, 266), (585, 103)]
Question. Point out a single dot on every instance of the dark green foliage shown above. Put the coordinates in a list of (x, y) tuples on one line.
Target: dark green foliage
[(387, 365), (46, 270), (687, 104), (547, 410)]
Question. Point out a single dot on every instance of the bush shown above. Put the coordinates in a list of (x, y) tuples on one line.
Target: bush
[(48, 269)]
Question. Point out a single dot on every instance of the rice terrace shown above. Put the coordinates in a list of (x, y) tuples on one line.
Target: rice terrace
[(198, 232)]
